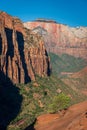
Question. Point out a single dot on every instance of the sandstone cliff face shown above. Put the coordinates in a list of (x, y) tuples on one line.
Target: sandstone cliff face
[(22, 53), (61, 38)]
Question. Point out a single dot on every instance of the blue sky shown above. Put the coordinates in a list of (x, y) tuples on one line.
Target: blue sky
[(71, 12)]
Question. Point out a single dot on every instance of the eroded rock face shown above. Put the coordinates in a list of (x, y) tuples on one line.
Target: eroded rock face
[(22, 52), (61, 38)]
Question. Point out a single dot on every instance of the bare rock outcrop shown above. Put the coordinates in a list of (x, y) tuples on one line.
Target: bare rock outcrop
[(61, 38), (74, 118), (22, 52)]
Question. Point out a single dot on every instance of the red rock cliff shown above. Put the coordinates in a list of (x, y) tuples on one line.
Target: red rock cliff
[(22, 53), (61, 38)]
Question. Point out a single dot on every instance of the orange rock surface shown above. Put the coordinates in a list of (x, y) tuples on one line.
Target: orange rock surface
[(22, 53), (75, 118)]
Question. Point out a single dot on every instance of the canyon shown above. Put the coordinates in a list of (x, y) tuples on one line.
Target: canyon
[(60, 38), (24, 57), (22, 52)]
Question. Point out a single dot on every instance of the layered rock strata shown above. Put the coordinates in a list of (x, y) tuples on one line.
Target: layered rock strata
[(22, 52), (61, 38)]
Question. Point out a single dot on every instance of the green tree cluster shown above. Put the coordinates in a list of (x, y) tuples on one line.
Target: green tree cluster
[(59, 102)]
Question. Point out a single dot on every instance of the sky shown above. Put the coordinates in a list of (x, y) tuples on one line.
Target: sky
[(70, 12)]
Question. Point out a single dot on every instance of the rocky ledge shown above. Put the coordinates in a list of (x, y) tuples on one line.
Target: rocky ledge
[(45, 20), (74, 118)]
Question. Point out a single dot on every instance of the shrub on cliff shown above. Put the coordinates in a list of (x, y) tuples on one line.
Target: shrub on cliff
[(59, 102)]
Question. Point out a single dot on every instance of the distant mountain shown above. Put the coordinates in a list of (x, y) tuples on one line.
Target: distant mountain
[(45, 20), (60, 39)]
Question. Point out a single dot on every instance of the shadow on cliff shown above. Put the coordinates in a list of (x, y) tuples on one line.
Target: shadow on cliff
[(0, 45), (10, 51), (20, 41), (10, 101), (10, 46), (49, 67)]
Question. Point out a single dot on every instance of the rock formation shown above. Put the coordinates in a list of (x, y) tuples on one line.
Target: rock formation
[(74, 118), (22, 52), (61, 38)]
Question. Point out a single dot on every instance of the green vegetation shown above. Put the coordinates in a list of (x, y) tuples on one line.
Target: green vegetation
[(37, 97), (66, 63), (59, 102), (46, 95)]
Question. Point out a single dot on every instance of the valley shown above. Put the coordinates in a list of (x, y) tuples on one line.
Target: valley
[(43, 66)]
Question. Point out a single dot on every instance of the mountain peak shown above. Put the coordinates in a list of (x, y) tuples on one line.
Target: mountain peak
[(45, 20)]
